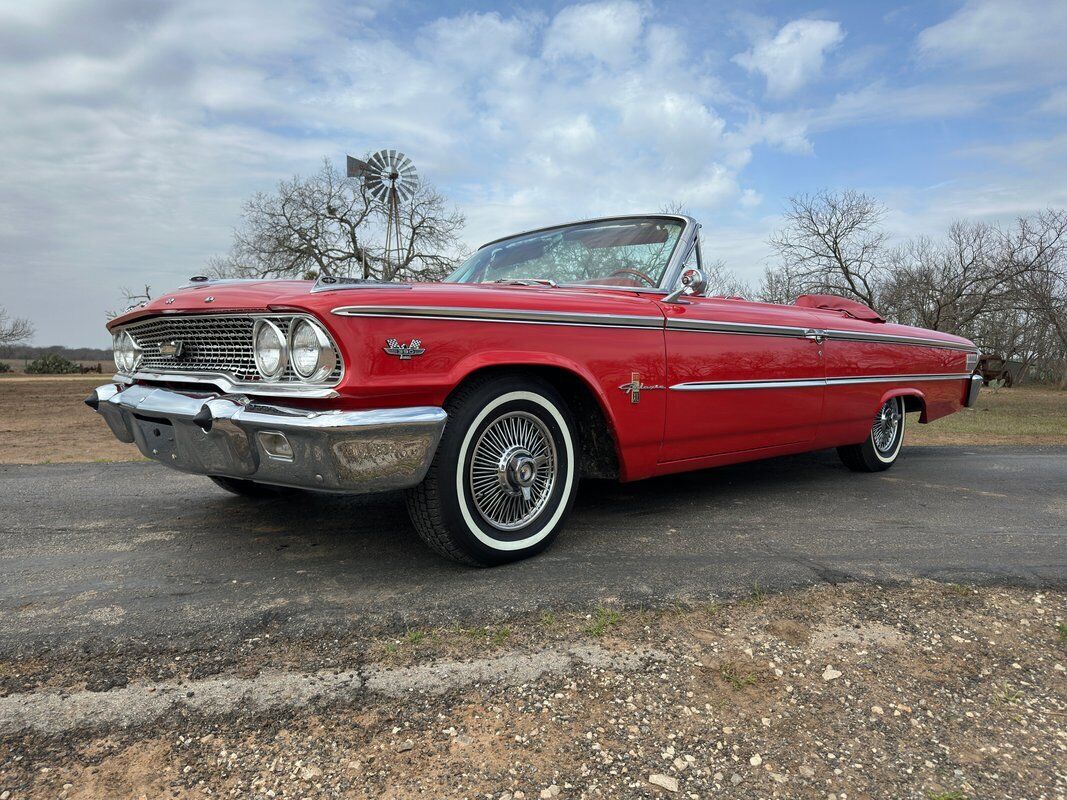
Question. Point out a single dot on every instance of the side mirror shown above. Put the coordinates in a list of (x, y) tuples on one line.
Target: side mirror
[(693, 282)]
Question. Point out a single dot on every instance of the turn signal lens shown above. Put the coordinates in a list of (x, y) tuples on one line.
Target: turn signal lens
[(270, 349), (310, 351)]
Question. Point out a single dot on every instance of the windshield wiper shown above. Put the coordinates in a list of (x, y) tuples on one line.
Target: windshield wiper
[(528, 282)]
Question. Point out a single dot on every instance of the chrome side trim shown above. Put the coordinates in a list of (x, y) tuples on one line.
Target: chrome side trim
[(228, 386), (754, 329), (712, 386), (751, 329), (893, 378), (527, 317), (890, 338)]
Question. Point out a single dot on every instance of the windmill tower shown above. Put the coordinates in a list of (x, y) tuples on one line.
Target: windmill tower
[(390, 177)]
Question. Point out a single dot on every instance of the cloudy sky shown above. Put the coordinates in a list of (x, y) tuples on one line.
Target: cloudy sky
[(131, 132)]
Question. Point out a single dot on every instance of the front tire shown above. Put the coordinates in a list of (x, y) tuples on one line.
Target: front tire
[(504, 475), (880, 450)]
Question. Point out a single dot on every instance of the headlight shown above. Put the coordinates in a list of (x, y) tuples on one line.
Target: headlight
[(125, 351), (270, 349), (310, 351)]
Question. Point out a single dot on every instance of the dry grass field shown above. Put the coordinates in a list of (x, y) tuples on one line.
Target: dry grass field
[(1026, 415), (43, 420)]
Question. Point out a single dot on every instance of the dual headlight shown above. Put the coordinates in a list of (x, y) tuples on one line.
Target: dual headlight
[(307, 348), (125, 351)]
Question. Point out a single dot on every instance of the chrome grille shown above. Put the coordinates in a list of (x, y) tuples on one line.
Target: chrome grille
[(212, 345)]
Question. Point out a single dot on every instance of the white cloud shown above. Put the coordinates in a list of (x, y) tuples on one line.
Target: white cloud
[(608, 32), (996, 34), (795, 56), (133, 133)]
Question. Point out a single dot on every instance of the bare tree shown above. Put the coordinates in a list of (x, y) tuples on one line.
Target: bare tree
[(950, 285), (833, 243), (778, 285), (131, 299), (14, 330), (723, 281), (1038, 251), (327, 224)]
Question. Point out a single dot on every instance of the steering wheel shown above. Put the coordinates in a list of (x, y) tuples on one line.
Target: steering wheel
[(635, 273)]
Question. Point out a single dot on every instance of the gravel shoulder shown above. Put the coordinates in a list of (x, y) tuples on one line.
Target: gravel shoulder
[(914, 691)]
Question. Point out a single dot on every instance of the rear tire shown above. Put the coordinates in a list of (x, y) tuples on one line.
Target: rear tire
[(243, 488), (504, 476), (880, 450)]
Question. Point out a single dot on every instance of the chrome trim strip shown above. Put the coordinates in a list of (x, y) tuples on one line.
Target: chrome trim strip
[(527, 317), (711, 386), (755, 329), (749, 328), (892, 378), (228, 386), (892, 338)]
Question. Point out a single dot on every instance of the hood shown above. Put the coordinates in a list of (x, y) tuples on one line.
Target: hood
[(221, 297)]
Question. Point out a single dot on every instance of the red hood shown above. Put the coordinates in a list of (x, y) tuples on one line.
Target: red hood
[(244, 296)]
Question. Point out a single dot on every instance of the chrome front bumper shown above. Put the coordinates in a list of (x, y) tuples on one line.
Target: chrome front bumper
[(973, 387), (211, 434)]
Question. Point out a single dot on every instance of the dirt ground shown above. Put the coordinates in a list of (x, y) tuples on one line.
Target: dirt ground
[(919, 691), (43, 420), (31, 432)]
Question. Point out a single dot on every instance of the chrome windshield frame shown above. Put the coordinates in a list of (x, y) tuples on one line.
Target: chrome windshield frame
[(690, 231)]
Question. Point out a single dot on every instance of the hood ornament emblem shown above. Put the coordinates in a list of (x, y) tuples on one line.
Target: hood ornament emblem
[(209, 299), (169, 301), (405, 352), (635, 387)]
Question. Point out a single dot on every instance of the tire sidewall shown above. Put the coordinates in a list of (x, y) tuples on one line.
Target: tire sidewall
[(476, 536), (886, 460)]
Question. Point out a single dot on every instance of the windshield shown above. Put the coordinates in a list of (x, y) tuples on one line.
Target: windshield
[(623, 252)]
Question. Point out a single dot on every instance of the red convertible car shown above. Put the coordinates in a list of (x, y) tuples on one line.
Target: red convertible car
[(587, 349)]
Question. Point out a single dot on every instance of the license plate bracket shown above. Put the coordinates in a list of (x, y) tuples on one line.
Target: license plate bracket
[(158, 435)]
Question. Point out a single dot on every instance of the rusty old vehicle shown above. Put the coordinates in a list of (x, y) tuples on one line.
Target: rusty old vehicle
[(587, 349)]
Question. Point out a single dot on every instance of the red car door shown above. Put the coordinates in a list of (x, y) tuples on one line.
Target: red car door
[(740, 376)]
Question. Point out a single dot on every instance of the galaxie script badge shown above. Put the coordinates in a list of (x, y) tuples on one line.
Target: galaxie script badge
[(405, 352)]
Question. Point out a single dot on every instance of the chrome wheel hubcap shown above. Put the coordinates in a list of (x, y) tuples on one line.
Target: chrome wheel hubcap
[(886, 427), (513, 471)]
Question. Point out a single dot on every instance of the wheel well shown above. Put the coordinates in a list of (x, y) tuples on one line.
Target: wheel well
[(913, 402), (596, 441)]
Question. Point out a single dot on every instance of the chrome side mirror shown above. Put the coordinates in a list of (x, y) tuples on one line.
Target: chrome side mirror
[(692, 283)]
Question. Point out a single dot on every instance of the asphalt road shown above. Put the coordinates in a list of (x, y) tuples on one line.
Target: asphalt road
[(95, 554)]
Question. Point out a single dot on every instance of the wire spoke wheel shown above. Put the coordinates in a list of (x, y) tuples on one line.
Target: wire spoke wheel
[(513, 471), (886, 427)]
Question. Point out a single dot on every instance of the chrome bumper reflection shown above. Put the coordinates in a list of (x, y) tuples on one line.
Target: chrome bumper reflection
[(209, 434)]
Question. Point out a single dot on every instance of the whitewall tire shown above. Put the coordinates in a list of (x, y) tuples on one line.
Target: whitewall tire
[(504, 475), (880, 450)]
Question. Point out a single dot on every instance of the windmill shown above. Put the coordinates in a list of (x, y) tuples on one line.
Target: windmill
[(390, 177)]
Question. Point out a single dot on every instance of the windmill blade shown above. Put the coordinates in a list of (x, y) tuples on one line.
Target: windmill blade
[(377, 161)]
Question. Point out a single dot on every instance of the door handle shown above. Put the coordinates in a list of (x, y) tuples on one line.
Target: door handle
[(815, 336)]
